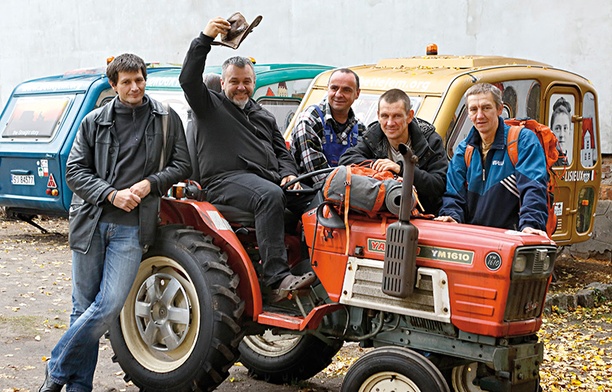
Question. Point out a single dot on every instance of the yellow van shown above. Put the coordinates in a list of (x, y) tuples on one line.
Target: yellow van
[(436, 85)]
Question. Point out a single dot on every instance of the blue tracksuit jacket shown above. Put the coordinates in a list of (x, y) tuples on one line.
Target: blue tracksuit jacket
[(497, 194)]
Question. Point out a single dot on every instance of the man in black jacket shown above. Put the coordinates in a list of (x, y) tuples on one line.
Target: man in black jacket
[(243, 158), (118, 168), (397, 124)]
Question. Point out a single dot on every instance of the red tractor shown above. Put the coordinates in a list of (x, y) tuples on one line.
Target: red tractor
[(445, 306)]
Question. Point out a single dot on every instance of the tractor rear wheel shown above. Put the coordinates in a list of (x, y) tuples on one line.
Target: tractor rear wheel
[(179, 329), (281, 359)]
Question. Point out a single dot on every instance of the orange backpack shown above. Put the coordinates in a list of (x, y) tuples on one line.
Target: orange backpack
[(549, 143)]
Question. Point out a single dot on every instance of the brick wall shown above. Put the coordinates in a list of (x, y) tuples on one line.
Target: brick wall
[(605, 192)]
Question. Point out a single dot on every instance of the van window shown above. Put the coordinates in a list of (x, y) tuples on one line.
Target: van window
[(533, 101), (283, 109), (562, 109), (586, 200), (175, 99), (459, 128), (291, 89), (36, 117), (588, 148), (282, 99), (105, 97)]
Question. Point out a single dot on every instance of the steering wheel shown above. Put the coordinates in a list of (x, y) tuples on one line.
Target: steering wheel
[(306, 176)]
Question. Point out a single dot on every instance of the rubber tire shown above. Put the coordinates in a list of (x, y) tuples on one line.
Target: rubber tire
[(385, 366), (289, 361), (184, 263)]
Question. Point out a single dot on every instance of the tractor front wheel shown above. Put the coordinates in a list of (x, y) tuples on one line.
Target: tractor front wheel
[(179, 329), (393, 369)]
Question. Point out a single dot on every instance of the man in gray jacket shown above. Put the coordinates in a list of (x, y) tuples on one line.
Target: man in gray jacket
[(118, 168)]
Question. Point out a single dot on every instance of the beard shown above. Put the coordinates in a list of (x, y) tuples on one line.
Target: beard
[(241, 103)]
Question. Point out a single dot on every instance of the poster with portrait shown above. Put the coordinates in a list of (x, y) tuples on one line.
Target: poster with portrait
[(560, 122)]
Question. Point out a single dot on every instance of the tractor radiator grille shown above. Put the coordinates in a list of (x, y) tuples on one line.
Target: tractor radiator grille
[(363, 288), (430, 325), (525, 299)]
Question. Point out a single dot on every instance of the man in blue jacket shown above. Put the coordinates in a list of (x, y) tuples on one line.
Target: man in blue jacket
[(492, 191)]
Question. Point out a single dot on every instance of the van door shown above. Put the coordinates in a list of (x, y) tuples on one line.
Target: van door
[(571, 116)]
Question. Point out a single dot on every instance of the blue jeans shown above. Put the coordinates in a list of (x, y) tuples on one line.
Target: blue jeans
[(101, 281)]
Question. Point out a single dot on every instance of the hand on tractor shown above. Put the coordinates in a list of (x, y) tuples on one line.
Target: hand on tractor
[(445, 219), (531, 230)]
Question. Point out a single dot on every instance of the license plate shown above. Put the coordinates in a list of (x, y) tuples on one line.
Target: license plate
[(21, 179)]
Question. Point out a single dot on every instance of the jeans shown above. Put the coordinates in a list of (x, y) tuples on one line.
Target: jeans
[(266, 201), (101, 281)]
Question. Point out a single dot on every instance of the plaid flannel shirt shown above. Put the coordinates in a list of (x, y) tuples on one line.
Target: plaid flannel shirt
[(306, 145)]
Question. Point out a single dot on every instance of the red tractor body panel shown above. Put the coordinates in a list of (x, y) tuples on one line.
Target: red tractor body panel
[(204, 217), (478, 293)]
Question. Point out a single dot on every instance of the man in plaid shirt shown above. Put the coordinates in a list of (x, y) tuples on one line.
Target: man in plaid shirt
[(323, 132)]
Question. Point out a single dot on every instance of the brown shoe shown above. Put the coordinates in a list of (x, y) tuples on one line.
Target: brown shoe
[(294, 282), (290, 283)]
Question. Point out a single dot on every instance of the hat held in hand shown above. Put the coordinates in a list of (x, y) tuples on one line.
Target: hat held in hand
[(238, 31)]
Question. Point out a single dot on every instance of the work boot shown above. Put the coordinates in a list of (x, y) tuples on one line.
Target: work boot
[(292, 282), (48, 384)]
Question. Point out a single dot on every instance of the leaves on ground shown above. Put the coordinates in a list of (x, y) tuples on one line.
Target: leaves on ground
[(578, 350)]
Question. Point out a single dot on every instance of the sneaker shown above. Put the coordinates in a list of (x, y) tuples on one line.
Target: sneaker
[(48, 384)]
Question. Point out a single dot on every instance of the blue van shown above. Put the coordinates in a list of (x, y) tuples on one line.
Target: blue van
[(41, 118)]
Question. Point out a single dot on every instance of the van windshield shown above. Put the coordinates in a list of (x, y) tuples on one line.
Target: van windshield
[(366, 107), (36, 117)]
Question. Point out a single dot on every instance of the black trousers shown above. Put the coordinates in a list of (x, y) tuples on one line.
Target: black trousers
[(267, 201)]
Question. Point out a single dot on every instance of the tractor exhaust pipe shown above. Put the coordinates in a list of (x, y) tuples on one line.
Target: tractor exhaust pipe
[(408, 180), (399, 273)]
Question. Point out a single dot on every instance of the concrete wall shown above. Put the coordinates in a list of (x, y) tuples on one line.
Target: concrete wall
[(39, 38)]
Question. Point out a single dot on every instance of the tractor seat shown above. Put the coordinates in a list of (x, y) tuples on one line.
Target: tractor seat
[(240, 219), (236, 216)]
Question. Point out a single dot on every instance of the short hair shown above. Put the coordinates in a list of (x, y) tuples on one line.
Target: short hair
[(396, 95), (237, 61), (485, 88), (561, 106), (346, 71), (126, 62)]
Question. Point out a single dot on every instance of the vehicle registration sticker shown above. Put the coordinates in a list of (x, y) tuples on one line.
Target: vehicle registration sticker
[(21, 179)]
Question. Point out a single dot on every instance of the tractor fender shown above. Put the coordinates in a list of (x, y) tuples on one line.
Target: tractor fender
[(203, 216)]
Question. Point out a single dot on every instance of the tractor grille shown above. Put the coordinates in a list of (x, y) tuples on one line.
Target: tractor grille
[(525, 299), (363, 288), (528, 287), (429, 325)]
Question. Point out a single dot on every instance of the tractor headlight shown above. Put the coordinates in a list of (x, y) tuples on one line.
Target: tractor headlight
[(546, 263), (520, 263)]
